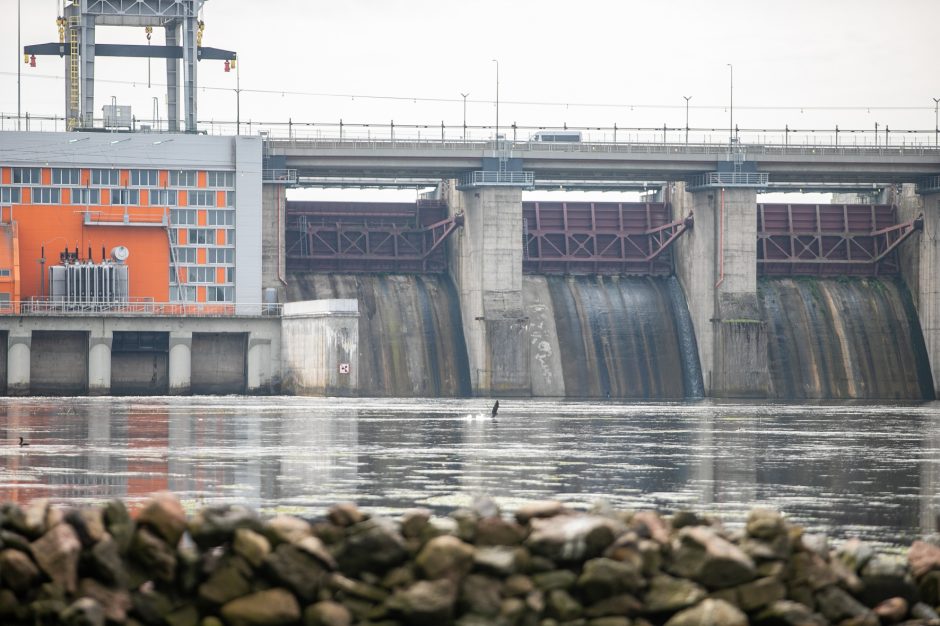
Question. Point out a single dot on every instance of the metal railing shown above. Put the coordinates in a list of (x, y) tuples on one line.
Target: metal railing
[(139, 307), (730, 179), (496, 178), (285, 176)]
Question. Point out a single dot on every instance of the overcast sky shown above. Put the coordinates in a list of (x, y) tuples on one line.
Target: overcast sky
[(805, 63)]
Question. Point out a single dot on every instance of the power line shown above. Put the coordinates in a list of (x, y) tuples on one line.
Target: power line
[(416, 99)]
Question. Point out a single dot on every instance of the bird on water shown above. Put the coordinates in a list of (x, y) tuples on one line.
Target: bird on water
[(23, 443), (495, 409)]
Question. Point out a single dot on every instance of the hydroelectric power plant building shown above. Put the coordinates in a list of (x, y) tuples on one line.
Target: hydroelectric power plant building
[(142, 262)]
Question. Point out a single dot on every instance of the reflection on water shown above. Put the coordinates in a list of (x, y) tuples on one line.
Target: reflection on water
[(867, 470)]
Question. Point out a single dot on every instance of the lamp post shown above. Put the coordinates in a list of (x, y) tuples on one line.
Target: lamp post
[(497, 98), (731, 109), (687, 98), (465, 115), (936, 126), (238, 98), (19, 49)]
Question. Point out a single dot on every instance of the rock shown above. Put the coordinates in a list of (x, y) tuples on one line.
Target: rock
[(357, 588), (610, 621), (165, 516), (924, 612), (518, 585), (602, 578), (495, 560), (572, 537), (216, 525), (651, 525), (837, 605), (623, 604), (445, 557), (286, 529), (83, 612), (374, 545), (511, 610), (414, 523), (562, 606), (855, 554), (485, 506), (928, 587), (759, 593), (538, 510), (88, 523), (150, 605), (296, 570), (114, 603), (554, 579), (892, 610), (923, 557), (154, 554), (251, 546), (701, 554), (818, 543), (57, 554), (481, 595), (466, 524), (315, 548), (426, 603), (667, 594), (104, 560), (327, 613), (345, 514), (681, 519), (184, 616), (765, 524), (495, 531), (710, 613), (34, 518), (119, 524), (807, 569), (18, 571), (272, 607), (789, 613), (230, 580)]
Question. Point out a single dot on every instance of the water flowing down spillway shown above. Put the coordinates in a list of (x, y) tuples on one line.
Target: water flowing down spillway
[(844, 338), (411, 340), (628, 336)]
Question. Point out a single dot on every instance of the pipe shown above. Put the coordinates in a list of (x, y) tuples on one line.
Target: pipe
[(721, 241), (279, 277)]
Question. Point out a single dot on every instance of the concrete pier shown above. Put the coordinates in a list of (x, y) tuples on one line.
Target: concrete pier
[(320, 341), (717, 265), (99, 363), (181, 343), (18, 348), (486, 265)]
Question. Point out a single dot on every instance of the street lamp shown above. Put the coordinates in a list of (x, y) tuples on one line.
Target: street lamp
[(464, 115), (731, 109), (936, 127), (497, 98), (687, 98)]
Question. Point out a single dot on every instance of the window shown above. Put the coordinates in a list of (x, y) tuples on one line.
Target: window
[(183, 294), (220, 218), (66, 176), (230, 198), (104, 178), (45, 195), (200, 198), (143, 178), (4, 301), (220, 179), (173, 237), (219, 294), (5, 273), (163, 197), (200, 275), (9, 195), (182, 179), (86, 196), (26, 176), (200, 236), (185, 255), (219, 256), (125, 196), (230, 274), (183, 217)]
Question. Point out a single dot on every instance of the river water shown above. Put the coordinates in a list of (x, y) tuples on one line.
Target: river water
[(847, 470)]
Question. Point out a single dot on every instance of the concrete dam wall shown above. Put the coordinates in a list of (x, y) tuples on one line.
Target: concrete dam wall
[(844, 338)]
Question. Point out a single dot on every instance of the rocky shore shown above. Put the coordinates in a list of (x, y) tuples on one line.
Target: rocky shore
[(544, 566)]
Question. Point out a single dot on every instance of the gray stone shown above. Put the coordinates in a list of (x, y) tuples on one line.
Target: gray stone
[(555, 579), (922, 611), (837, 605), (892, 610), (272, 607), (610, 621), (119, 524), (83, 612), (855, 553), (414, 523), (88, 522), (710, 613), (667, 594), (230, 580), (536, 510), (602, 578), (57, 554), (183, 616), (499, 560), (651, 525), (789, 613), (165, 516), (315, 548), (157, 557), (759, 593), (216, 525), (345, 514), (105, 560), (573, 537), (286, 529), (481, 595), (296, 570), (115, 603), (374, 545), (357, 588), (18, 570), (496, 531), (923, 557), (426, 603), (701, 554), (562, 606), (765, 524), (485, 506), (622, 604), (251, 546), (327, 613), (445, 557)]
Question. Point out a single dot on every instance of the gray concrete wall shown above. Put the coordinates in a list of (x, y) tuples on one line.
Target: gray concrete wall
[(486, 264), (4, 346), (321, 347), (248, 224), (58, 363), (219, 363), (273, 222), (140, 373)]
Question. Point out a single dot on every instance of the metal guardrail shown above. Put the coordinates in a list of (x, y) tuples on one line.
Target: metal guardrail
[(285, 176), (139, 307), (729, 179), (929, 185), (483, 178)]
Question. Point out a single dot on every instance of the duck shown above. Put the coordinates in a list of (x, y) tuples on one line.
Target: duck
[(495, 409), (23, 443)]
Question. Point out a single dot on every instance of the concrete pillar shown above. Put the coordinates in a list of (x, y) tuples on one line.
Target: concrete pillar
[(18, 358), (273, 222), (486, 264), (99, 363), (320, 347), (259, 365), (180, 374), (920, 266), (717, 266)]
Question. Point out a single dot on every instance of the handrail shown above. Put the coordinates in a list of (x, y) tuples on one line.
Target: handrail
[(139, 307)]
